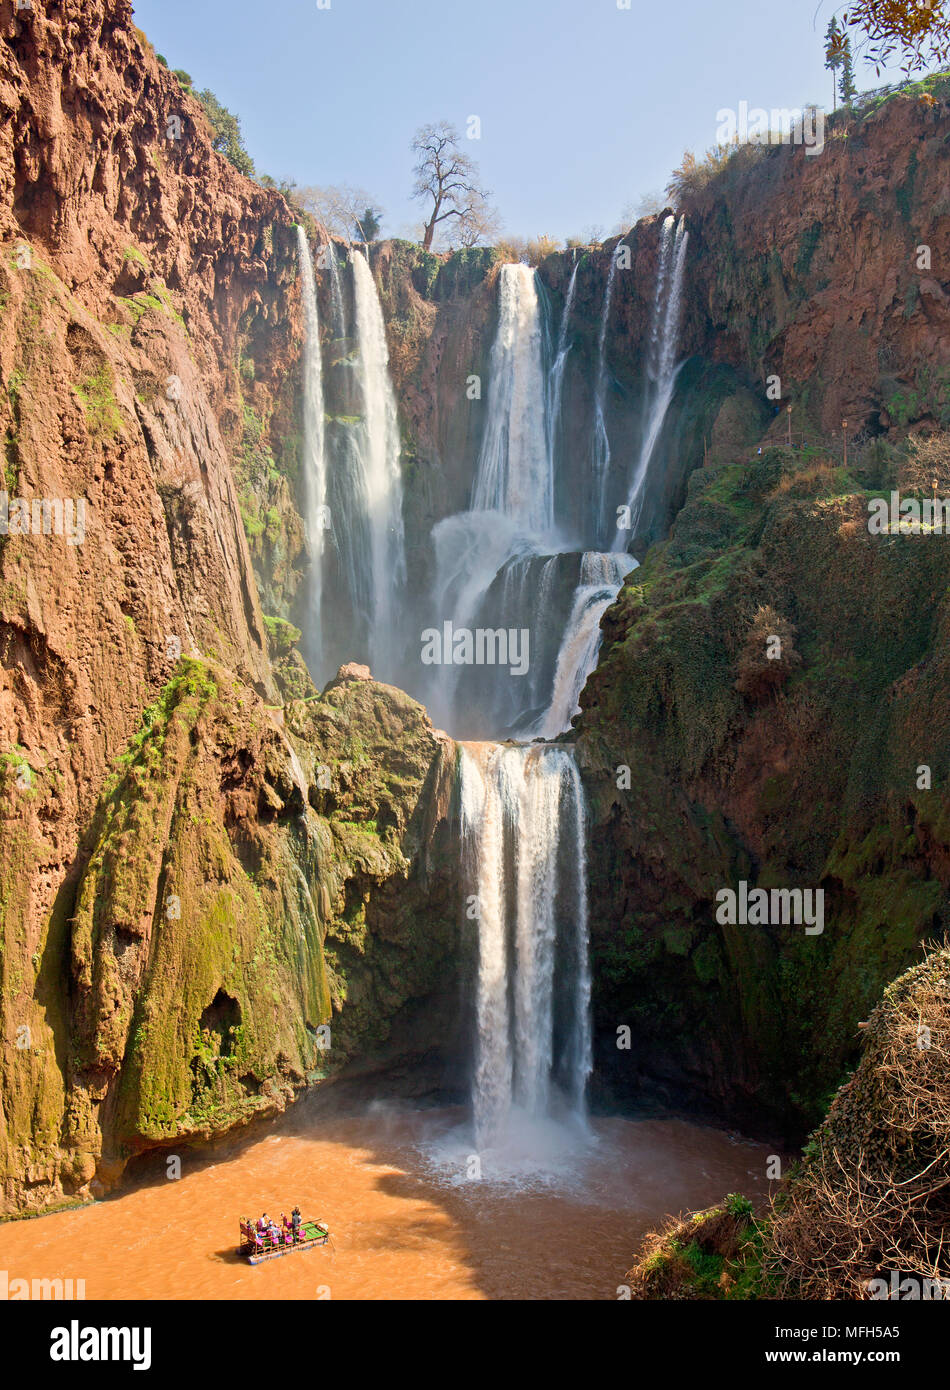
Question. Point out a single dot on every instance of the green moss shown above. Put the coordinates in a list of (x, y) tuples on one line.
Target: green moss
[(97, 393), (806, 249), (841, 810), (281, 635)]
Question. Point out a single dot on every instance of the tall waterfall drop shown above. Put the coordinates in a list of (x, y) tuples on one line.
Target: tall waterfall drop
[(523, 847), (561, 351), (336, 294), (314, 451), (662, 367), (503, 564), (515, 475), (511, 520), (378, 461), (600, 444)]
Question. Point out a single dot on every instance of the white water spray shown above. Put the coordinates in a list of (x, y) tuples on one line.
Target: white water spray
[(336, 293), (600, 581), (523, 846)]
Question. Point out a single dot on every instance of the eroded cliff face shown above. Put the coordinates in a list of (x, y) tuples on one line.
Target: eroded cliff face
[(194, 878), (164, 750), (827, 768), (830, 269)]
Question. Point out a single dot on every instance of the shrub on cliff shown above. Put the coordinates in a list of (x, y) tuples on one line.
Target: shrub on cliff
[(226, 133), (874, 1192), (714, 1254), (768, 656)]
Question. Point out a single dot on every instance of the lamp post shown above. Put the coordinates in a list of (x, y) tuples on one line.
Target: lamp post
[(788, 410), (844, 426)]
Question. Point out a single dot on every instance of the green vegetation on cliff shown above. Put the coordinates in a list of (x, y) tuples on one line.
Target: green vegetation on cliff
[(829, 774), (238, 898), (869, 1196)]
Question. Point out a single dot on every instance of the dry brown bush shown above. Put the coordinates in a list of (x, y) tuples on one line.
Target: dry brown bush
[(927, 462), (874, 1192), (760, 674), (805, 481)]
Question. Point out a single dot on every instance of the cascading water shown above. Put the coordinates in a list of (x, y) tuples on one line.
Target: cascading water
[(511, 519), (378, 451), (600, 582), (662, 367), (556, 374), (522, 814), (514, 467), (336, 293), (600, 443), (522, 809), (314, 452)]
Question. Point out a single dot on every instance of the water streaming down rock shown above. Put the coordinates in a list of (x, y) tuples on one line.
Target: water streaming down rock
[(515, 473), (522, 829), (601, 578), (522, 808), (314, 452), (378, 450), (511, 518), (600, 440), (336, 292), (556, 375), (662, 367)]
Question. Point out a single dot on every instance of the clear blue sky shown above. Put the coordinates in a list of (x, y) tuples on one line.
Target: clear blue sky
[(584, 107)]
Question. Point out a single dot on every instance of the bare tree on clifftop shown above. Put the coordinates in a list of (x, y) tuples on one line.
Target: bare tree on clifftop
[(345, 212), (447, 176)]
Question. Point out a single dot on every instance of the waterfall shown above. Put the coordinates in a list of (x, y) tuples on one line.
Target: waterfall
[(514, 473), (561, 351), (522, 814), (662, 368), (336, 293), (314, 472), (600, 582), (511, 520), (600, 443), (378, 462)]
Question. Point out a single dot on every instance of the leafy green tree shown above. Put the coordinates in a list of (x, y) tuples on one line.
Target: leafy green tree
[(368, 224), (227, 138)]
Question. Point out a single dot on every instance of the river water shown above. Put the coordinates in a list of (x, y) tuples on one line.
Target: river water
[(408, 1220)]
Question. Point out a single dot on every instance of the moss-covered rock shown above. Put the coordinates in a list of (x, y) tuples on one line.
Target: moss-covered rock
[(260, 902), (830, 775)]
